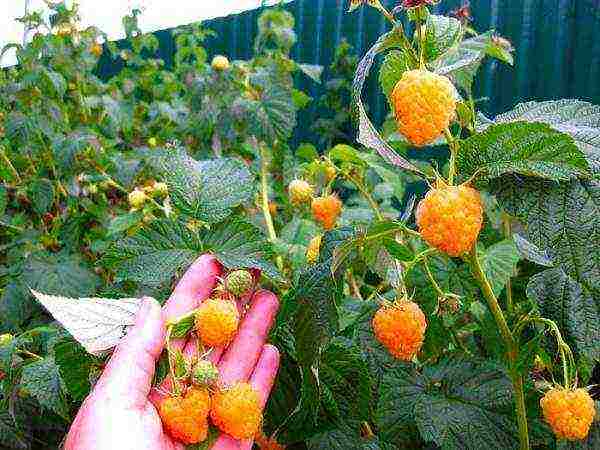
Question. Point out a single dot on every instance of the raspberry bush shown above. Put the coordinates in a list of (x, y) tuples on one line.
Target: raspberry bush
[(438, 274)]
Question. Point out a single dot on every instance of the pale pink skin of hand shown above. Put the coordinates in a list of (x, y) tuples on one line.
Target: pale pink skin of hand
[(120, 412)]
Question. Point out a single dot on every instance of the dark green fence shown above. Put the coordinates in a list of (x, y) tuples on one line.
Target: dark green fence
[(557, 48)]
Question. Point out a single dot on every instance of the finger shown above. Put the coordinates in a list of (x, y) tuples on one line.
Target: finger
[(128, 374), (196, 285), (262, 380), (239, 360)]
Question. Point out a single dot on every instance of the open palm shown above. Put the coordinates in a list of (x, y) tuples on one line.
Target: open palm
[(121, 413)]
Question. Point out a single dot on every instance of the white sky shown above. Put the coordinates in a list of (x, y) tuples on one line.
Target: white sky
[(107, 14)]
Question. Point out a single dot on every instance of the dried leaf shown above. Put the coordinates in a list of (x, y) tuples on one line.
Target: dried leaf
[(96, 323)]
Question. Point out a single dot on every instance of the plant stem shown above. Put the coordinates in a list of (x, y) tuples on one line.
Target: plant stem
[(264, 183), (363, 190), (14, 172), (453, 152), (508, 235), (511, 346)]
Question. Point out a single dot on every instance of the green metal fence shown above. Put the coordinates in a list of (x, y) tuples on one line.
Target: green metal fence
[(557, 48)]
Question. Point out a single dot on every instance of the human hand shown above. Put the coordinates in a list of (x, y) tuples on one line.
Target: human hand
[(120, 412)]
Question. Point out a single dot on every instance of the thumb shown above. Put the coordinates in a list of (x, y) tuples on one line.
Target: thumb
[(129, 373)]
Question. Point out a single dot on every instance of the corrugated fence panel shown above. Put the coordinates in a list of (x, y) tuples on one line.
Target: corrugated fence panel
[(557, 48)]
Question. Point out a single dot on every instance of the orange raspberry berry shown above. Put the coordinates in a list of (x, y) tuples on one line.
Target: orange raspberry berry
[(569, 412), (400, 327), (96, 50), (237, 411), (327, 210), (450, 218), (217, 322), (185, 418), (220, 63), (424, 105)]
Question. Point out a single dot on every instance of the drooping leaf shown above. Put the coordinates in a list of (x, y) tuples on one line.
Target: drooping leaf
[(312, 71), (457, 403), (367, 134), (96, 323), (522, 148), (579, 119), (531, 252), (41, 379), (42, 195)]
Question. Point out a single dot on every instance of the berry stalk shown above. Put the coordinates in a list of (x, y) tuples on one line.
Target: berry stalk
[(453, 152), (509, 340), (264, 186)]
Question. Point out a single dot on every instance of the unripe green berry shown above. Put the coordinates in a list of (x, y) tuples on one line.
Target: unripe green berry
[(205, 374), (239, 282)]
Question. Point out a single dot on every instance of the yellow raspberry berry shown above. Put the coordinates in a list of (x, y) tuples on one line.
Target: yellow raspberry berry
[(424, 105), (330, 172), (217, 322), (314, 249), (450, 218), (569, 412), (300, 191), (400, 327), (220, 63), (237, 411), (160, 189), (152, 142), (326, 210), (185, 418), (96, 50), (137, 198)]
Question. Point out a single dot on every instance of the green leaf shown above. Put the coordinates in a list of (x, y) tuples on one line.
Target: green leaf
[(163, 249), (462, 61), (347, 376), (394, 65), (367, 134), (183, 326), (3, 199), (579, 119), (155, 253), (65, 148), (124, 222), (571, 305), (561, 220), (11, 434), (442, 33), (42, 195), (525, 148), (499, 262), (316, 320), (345, 153), (457, 403), (74, 365), (532, 252), (238, 244), (41, 379), (205, 190), (62, 274), (52, 82)]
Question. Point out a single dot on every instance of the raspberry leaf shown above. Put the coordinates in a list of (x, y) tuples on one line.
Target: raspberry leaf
[(394, 65), (579, 119), (41, 379), (205, 190), (561, 220), (461, 62), (532, 149), (499, 263), (442, 33), (457, 403)]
